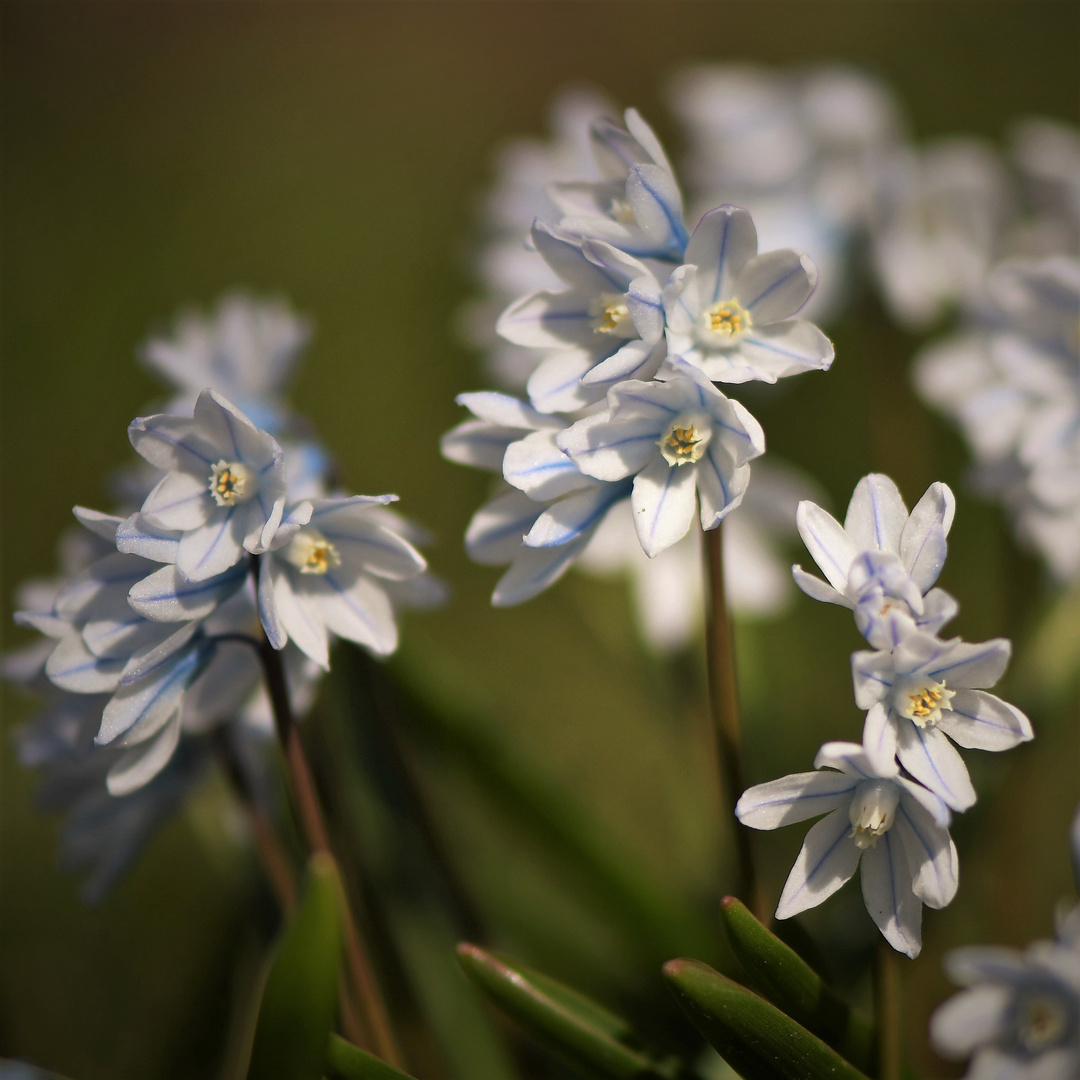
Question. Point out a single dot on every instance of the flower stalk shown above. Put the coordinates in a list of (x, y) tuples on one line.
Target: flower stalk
[(378, 1036), (887, 1011), (724, 709)]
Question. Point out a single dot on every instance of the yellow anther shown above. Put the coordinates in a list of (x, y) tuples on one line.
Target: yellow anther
[(311, 553), (230, 483), (924, 704), (611, 318), (685, 440), (682, 441), (725, 322)]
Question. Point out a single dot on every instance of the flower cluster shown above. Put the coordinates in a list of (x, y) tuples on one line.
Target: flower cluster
[(921, 694), (623, 356), (153, 634), (1011, 380)]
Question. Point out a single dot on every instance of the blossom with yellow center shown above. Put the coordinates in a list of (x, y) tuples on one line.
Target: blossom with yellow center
[(725, 323), (611, 315), (311, 553), (231, 482), (685, 440)]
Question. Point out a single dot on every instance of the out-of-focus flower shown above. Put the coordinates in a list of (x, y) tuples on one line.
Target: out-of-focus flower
[(896, 830), (926, 689), (669, 589), (224, 488), (1047, 156), (682, 441), (327, 576), (938, 217), (1012, 382), (245, 350), (882, 562), (1020, 1014), (729, 309)]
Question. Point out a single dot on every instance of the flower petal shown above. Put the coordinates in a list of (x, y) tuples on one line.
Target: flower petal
[(982, 721), (570, 259), (817, 589), (922, 541), (538, 467), (180, 500), (172, 443), (214, 547), (873, 676), (138, 536), (970, 1019), (497, 529), (73, 667), (879, 738), (505, 411), (533, 570), (574, 516), (774, 285), (635, 360), (929, 756), (663, 500), (556, 384), (656, 202), (773, 352), (721, 486), (549, 320), (886, 889), (876, 515), (138, 767), (359, 611), (610, 448), (478, 443), (724, 241), (166, 596), (300, 618), (832, 549), (794, 798), (931, 854), (827, 860)]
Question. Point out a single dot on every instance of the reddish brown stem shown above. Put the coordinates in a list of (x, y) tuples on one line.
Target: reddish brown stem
[(374, 1031), (724, 707)]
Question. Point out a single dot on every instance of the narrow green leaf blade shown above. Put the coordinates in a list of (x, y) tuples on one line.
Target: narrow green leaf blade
[(591, 1039), (347, 1062), (778, 973), (300, 997), (752, 1036)]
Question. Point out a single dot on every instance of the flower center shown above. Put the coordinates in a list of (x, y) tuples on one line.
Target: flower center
[(725, 323), (621, 211), (611, 315), (685, 440), (872, 810), (925, 703), (1041, 1023), (312, 553), (231, 482)]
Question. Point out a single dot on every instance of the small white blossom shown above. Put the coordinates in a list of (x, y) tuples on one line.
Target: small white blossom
[(606, 327), (224, 488), (882, 562), (682, 441), (1020, 1014), (327, 573), (894, 829), (926, 689), (729, 309)]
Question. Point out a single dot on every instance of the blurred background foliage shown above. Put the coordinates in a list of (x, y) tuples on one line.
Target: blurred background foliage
[(155, 156)]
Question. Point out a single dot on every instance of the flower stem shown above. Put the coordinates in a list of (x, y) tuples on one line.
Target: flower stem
[(313, 826), (887, 1011), (724, 706)]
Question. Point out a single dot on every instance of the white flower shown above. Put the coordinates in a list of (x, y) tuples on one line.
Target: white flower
[(926, 689), (882, 562), (636, 205), (1047, 156), (681, 440), (245, 351), (327, 573), (224, 490), (729, 309), (1020, 1014), (605, 328), (895, 829)]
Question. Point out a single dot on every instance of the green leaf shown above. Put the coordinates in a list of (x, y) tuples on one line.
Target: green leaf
[(347, 1062), (300, 997), (591, 1039), (777, 972), (753, 1037)]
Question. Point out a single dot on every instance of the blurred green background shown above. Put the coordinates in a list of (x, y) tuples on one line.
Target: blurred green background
[(155, 156)]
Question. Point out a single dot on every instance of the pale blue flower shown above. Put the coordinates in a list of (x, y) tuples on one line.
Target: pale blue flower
[(608, 326), (894, 829), (926, 689), (636, 205), (327, 573), (683, 442), (882, 562), (1019, 1018), (729, 309), (224, 488)]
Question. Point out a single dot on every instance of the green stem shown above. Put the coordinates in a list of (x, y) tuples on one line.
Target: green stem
[(724, 707), (887, 1011)]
